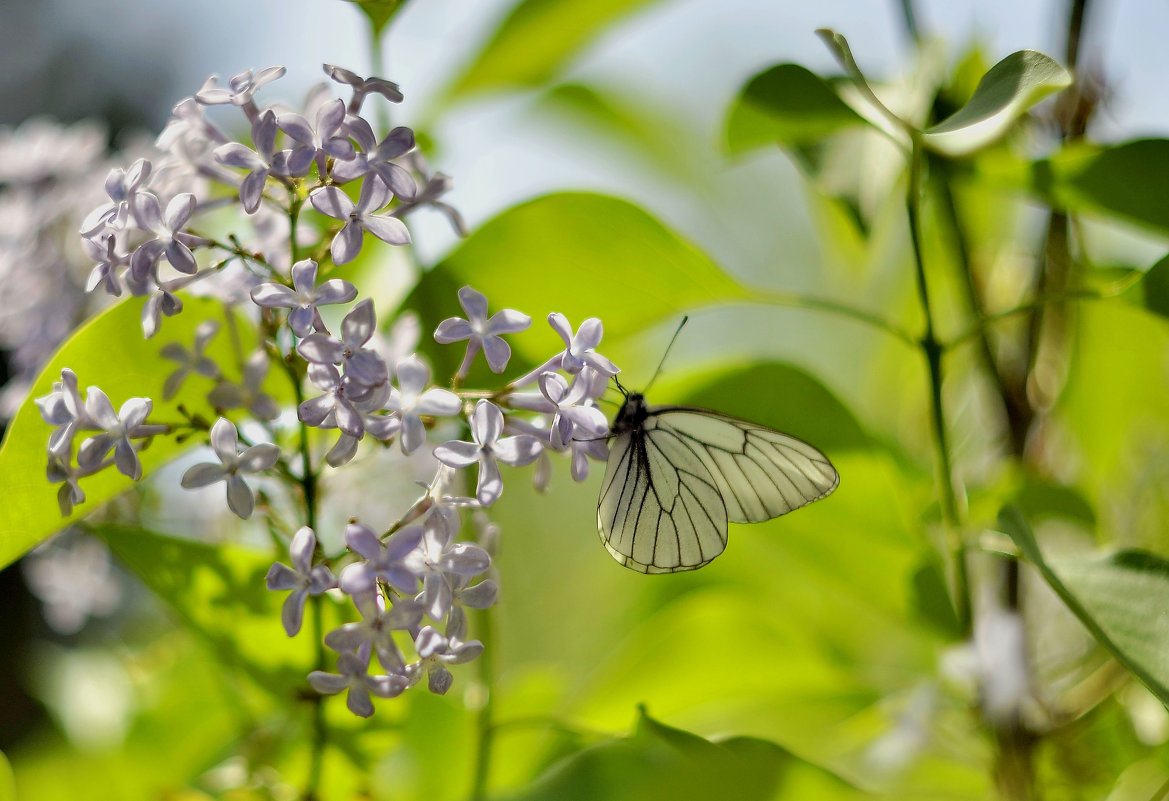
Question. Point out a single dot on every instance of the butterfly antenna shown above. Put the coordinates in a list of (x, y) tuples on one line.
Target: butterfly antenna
[(623, 390), (662, 363)]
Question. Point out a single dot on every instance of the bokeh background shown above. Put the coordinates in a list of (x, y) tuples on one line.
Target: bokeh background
[(811, 633)]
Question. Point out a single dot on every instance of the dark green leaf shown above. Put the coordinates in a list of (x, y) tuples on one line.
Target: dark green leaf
[(379, 12), (662, 762), (1004, 94), (108, 352), (537, 40), (1156, 286), (786, 105), (1126, 180), (1118, 596)]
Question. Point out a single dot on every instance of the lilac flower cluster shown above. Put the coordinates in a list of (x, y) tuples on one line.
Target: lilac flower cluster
[(411, 581)]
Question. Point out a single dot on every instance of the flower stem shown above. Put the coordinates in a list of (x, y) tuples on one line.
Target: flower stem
[(932, 350), (485, 728)]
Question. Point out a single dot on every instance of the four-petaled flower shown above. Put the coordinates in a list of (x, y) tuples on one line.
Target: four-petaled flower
[(375, 194), (302, 578), (385, 561), (119, 428), (319, 142), (437, 651), (64, 408), (304, 296), (580, 349), (412, 399), (352, 675), (190, 360), (439, 562), (378, 158), (240, 91), (362, 365), (259, 163), (568, 413), (169, 237), (363, 86), (121, 186), (480, 331), (376, 629), (249, 393), (232, 462), (487, 449)]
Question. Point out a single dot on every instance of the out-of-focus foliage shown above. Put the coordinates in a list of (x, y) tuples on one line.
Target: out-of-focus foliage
[(822, 656)]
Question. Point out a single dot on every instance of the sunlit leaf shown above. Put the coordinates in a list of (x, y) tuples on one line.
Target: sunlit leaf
[(1126, 180), (583, 255), (1004, 94), (1118, 596), (218, 591), (786, 105), (7, 783), (662, 762), (537, 40), (1156, 287), (108, 352)]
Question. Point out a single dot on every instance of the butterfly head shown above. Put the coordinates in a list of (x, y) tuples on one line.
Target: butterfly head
[(631, 415)]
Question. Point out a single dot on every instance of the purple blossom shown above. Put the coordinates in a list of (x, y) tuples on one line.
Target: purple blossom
[(162, 302), (337, 406), (383, 560), (376, 629), (304, 297), (352, 675), (480, 331), (259, 163), (378, 158), (190, 361), (240, 91), (375, 194), (471, 596), (169, 238), (440, 562), (364, 86), (569, 415), (302, 578), (249, 394), (362, 365), (64, 409), (437, 651), (487, 449), (118, 428), (412, 399), (121, 186), (104, 274), (324, 140), (232, 462)]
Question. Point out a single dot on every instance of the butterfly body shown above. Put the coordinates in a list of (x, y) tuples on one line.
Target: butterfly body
[(677, 475)]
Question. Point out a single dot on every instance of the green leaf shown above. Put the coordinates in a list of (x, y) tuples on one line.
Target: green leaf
[(1118, 596), (1126, 180), (1156, 287), (805, 408), (588, 256), (219, 592), (662, 762), (108, 352), (1004, 94), (786, 105), (537, 40), (7, 782), (873, 109), (379, 12)]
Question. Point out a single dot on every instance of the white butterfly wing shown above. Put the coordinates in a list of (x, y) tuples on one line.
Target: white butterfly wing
[(660, 509), (671, 486), (761, 473)]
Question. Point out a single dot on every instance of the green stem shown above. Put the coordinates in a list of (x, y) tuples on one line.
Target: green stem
[(797, 301), (932, 350), (378, 66), (485, 728)]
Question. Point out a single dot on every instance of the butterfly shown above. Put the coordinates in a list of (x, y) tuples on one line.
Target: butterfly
[(676, 475)]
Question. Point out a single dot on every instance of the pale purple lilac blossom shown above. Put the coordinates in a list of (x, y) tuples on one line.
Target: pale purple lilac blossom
[(232, 462), (359, 218), (481, 332), (303, 579)]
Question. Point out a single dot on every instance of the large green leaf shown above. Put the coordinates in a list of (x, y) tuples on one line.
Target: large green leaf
[(1004, 94), (581, 254), (108, 352), (786, 105), (1126, 180), (1119, 597), (218, 591), (537, 40), (661, 762), (1155, 284)]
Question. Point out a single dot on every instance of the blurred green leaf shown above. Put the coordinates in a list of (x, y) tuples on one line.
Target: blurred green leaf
[(537, 40), (1004, 94), (581, 254), (7, 783), (662, 762), (379, 12), (1039, 499), (218, 591), (778, 395), (1156, 287), (786, 105), (108, 352), (1126, 180), (872, 109), (1118, 596)]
